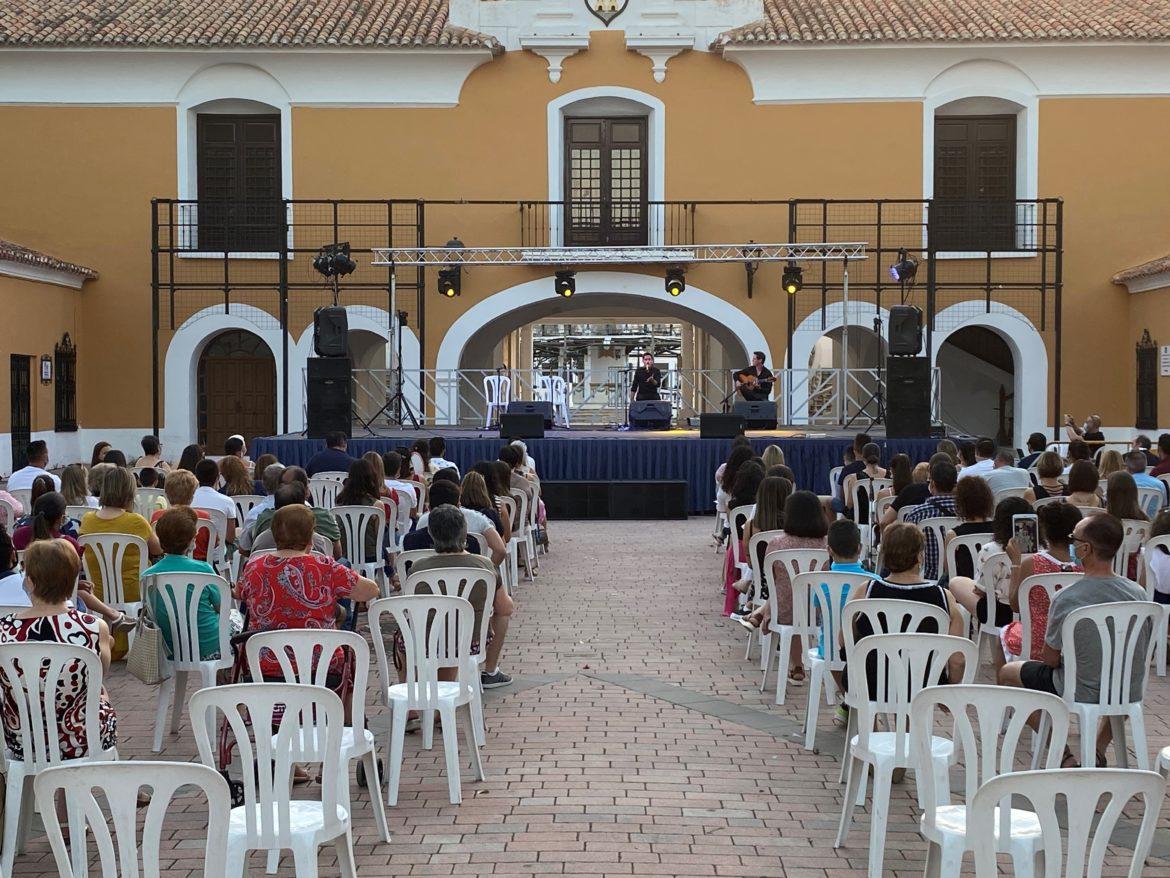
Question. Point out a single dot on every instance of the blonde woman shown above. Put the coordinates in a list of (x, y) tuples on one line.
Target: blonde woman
[(773, 456), (236, 481), (1111, 462), (75, 486), (96, 477)]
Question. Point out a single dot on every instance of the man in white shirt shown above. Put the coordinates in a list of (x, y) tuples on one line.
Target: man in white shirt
[(478, 524), (271, 481), (984, 460), (1006, 474), (206, 497), (38, 459), (438, 449)]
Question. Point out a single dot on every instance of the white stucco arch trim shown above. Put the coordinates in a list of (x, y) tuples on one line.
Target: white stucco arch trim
[(812, 328), (656, 140), (181, 366), (589, 283), (229, 82), (984, 78), (1030, 400)]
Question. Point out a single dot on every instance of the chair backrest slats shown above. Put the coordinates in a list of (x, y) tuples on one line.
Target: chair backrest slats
[(103, 559), (436, 633), (180, 595), (1124, 632)]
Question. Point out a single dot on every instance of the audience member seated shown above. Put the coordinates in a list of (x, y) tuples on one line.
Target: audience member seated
[(99, 453), (12, 593), (191, 455), (326, 523), (363, 488), (1157, 566), (1121, 501), (37, 454), (1049, 469), (116, 457), (448, 529), (437, 448), (117, 515), (740, 441), (780, 471), (949, 448), (333, 459), (149, 478), (1057, 522), (236, 481), (528, 467), (180, 491), (971, 594), (871, 457), (966, 455), (901, 476), (269, 482), (514, 458), (444, 493), (1097, 539), (41, 485), (497, 477), (1037, 442), (479, 525), (74, 487), (940, 504), (207, 497), (984, 460), (1135, 465), (293, 493), (1005, 474), (420, 457), (152, 454), (261, 464), (1163, 454), (1077, 450), (805, 527), (234, 446), (474, 497), (724, 480), (917, 492), (771, 497), (1109, 462), (1084, 483), (94, 479), (176, 532), (903, 548), (773, 456), (51, 568), (974, 504), (1142, 443), (852, 462)]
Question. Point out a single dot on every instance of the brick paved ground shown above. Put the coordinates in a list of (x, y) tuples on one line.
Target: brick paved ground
[(634, 741)]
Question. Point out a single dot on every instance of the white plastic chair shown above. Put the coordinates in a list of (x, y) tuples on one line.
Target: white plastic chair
[(866, 487), (904, 663), (1154, 544), (305, 655), (24, 497), (972, 543), (497, 393), (1165, 480), (1135, 533), (461, 582), (245, 503), (1151, 501), (148, 501), (511, 562), (755, 550), (405, 559), (1076, 835), (403, 504), (334, 475), (179, 595), (117, 783), (75, 513), (994, 568), (826, 593), (795, 561), (1044, 501), (1119, 627), (103, 557), (1004, 493), (987, 724), (737, 520), (834, 487), (436, 631), (323, 491), (8, 514), (556, 390), (937, 528), (217, 538), (35, 697), (523, 535), (1030, 588), (355, 522), (270, 819)]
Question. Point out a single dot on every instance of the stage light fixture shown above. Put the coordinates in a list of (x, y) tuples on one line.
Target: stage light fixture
[(333, 260), (449, 281), (566, 283), (905, 268), (676, 281), (793, 278)]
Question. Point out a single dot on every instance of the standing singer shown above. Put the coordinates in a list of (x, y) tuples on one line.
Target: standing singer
[(755, 382), (647, 380)]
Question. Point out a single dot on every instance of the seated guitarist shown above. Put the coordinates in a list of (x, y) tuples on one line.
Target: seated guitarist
[(755, 382)]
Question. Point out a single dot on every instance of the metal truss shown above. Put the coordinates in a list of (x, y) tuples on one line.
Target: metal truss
[(572, 256)]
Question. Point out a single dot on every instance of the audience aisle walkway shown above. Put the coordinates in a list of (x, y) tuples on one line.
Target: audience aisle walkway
[(633, 741)]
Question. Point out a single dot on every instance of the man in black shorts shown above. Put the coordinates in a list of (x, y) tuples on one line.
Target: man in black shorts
[(1097, 539)]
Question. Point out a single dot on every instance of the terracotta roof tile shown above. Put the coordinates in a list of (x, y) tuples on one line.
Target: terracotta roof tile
[(1146, 269), (10, 252), (813, 22), (251, 23)]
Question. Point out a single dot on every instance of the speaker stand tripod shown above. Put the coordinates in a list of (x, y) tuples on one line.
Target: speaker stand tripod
[(397, 408), (878, 396)]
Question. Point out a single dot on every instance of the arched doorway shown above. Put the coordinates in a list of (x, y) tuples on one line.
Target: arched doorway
[(236, 388), (978, 373), (865, 361)]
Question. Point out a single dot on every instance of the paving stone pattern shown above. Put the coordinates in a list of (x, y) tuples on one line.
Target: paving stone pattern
[(633, 741)]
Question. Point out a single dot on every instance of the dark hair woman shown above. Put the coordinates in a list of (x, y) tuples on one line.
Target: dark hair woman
[(420, 457), (99, 453), (191, 455), (1083, 482)]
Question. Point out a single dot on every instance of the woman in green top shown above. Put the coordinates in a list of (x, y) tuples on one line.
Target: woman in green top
[(175, 529)]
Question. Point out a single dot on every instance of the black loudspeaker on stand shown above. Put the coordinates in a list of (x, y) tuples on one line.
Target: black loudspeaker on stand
[(541, 407), (330, 396), (907, 397), (330, 332), (905, 338)]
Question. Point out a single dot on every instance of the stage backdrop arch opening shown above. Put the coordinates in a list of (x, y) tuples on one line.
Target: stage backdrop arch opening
[(236, 388), (484, 337)]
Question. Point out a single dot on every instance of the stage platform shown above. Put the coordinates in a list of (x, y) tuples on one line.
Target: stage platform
[(614, 455)]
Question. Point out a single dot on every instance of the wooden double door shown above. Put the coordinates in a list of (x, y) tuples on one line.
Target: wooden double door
[(237, 389)]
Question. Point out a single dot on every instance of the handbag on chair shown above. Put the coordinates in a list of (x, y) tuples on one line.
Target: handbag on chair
[(145, 658)]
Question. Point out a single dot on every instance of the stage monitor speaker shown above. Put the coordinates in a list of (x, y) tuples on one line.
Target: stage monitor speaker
[(544, 408), (718, 426), (526, 426), (330, 332), (905, 338), (757, 414), (650, 414), (907, 397), (330, 405)]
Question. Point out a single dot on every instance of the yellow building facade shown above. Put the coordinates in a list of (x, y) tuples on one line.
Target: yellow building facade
[(745, 123)]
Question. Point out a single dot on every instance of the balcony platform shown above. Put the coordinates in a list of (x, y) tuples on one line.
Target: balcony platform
[(619, 456)]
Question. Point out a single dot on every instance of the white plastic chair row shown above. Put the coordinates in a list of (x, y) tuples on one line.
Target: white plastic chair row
[(355, 523), (102, 561), (323, 490), (795, 561), (497, 393)]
